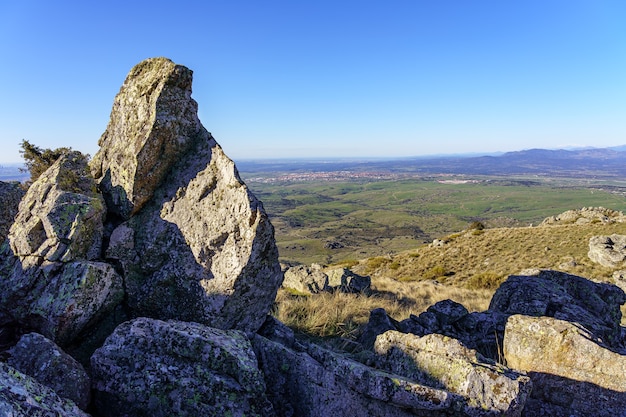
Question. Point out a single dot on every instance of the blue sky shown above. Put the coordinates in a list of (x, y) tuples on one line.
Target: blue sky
[(321, 78)]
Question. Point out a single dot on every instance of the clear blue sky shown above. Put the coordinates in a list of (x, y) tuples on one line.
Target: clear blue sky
[(326, 78)]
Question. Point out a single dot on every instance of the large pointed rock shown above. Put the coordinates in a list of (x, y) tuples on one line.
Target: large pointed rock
[(194, 244), (153, 122)]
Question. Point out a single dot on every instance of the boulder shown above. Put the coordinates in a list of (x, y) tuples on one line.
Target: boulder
[(191, 240), (609, 251), (157, 368), (344, 280), (11, 194), (40, 358), (21, 396), (51, 281), (379, 322), (596, 306), (306, 279), (482, 387), (61, 216), (573, 373), (309, 381)]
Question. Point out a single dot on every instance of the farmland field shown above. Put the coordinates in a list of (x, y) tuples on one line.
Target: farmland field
[(330, 221)]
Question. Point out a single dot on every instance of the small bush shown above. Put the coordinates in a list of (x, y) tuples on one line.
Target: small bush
[(488, 280)]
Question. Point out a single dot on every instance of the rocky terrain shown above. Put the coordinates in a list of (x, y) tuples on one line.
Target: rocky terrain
[(139, 284)]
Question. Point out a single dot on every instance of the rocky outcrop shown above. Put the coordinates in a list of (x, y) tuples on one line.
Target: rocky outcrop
[(10, 194), (315, 279), (573, 373), (483, 388), (586, 215), (595, 306), (196, 244), (308, 381), (306, 279), (51, 282), (40, 358), (21, 395), (344, 280), (609, 251), (151, 367)]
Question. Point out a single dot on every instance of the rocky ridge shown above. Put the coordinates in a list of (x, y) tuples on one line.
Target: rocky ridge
[(147, 276)]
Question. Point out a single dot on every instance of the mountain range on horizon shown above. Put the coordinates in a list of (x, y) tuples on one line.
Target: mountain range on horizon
[(578, 162)]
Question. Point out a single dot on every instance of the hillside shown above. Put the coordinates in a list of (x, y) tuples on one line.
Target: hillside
[(466, 267)]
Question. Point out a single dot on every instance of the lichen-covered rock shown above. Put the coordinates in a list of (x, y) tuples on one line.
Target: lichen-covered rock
[(40, 358), (61, 216), (157, 368), (153, 123), (196, 245), (306, 279), (50, 281), (485, 389), (609, 251), (596, 306), (344, 280), (23, 396), (309, 381), (59, 300), (572, 373), (11, 194)]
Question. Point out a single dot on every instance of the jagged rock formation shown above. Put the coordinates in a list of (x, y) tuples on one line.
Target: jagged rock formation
[(10, 194), (609, 251), (586, 215), (196, 244), (151, 367), (308, 381)]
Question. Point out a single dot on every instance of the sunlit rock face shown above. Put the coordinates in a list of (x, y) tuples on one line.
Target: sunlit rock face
[(191, 240)]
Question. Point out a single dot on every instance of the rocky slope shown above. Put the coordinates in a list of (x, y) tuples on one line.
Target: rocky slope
[(140, 284)]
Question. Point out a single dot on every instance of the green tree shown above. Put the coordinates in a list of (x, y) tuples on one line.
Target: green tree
[(37, 159)]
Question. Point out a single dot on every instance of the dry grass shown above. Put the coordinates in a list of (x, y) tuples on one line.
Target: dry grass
[(339, 314), (467, 269)]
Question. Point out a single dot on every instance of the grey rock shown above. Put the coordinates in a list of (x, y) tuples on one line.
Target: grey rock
[(306, 279), (157, 368), (51, 282), (586, 215), (61, 216), (191, 240), (482, 387), (153, 123), (344, 280), (609, 251), (379, 322), (447, 312), (11, 194), (572, 372), (596, 306), (23, 396), (309, 381), (40, 358)]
